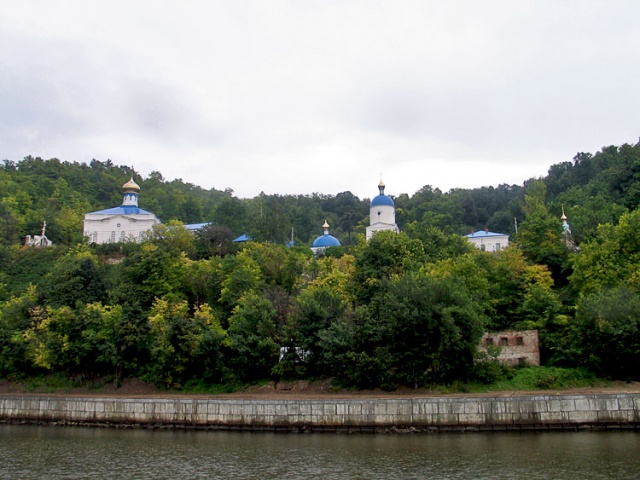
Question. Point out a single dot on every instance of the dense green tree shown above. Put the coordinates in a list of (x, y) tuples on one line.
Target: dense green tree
[(434, 326), (540, 233), (214, 240), (421, 329), (232, 213), (110, 341), (242, 275), (27, 266), (203, 281), (437, 244), (15, 318), (252, 338), (606, 334), (177, 338), (75, 279), (350, 352), (10, 222), (316, 309), (385, 255), (610, 259), (53, 339), (149, 272), (173, 238)]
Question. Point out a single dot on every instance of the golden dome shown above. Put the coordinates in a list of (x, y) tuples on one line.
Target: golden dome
[(131, 186)]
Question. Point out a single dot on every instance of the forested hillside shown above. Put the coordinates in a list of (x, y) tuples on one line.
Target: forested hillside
[(402, 309)]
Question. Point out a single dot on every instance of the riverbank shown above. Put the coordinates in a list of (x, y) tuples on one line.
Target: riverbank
[(299, 389), (335, 414)]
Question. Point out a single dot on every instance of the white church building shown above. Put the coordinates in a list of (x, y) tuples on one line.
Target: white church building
[(488, 241), (127, 222), (382, 214)]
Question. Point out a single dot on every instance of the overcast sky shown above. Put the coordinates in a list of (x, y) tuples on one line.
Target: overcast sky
[(320, 96)]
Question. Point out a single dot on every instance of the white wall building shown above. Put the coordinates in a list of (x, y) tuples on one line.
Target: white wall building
[(488, 241), (119, 224), (382, 214)]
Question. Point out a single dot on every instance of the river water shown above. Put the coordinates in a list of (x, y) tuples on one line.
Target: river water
[(49, 452)]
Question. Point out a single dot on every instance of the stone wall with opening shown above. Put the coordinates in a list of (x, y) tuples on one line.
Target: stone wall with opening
[(515, 347)]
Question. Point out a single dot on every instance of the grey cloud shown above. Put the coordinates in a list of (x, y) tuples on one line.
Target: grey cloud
[(63, 91)]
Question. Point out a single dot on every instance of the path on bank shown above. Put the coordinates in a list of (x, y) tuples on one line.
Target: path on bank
[(298, 390)]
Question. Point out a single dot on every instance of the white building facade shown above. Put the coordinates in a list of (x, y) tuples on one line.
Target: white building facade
[(488, 241), (128, 222), (382, 214)]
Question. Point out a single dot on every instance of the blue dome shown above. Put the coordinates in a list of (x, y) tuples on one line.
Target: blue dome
[(326, 241), (382, 200)]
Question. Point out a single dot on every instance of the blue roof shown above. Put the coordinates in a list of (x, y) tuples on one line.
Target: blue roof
[(382, 200), (242, 238), (122, 210), (484, 234), (326, 241)]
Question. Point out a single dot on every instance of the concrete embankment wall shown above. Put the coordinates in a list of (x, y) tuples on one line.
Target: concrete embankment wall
[(537, 412)]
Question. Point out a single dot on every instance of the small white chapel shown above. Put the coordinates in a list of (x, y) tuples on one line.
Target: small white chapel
[(127, 222)]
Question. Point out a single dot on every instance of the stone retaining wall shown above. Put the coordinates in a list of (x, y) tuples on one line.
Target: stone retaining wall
[(354, 414)]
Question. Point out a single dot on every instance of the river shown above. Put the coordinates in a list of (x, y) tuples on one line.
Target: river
[(50, 452)]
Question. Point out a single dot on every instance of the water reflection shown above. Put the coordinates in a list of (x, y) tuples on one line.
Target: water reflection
[(29, 452)]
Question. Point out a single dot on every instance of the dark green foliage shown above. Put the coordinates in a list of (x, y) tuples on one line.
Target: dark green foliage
[(437, 244), (611, 258), (210, 361), (14, 320), (316, 310), (113, 340), (419, 330), (385, 255), (148, 273), (540, 234), (252, 338), (214, 240), (27, 266), (74, 279), (351, 353), (606, 334), (403, 308), (427, 330)]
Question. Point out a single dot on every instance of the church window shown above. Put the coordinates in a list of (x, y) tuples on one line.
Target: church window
[(483, 247), (504, 341), (94, 237), (519, 341), (113, 237), (498, 247), (122, 236), (118, 225)]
